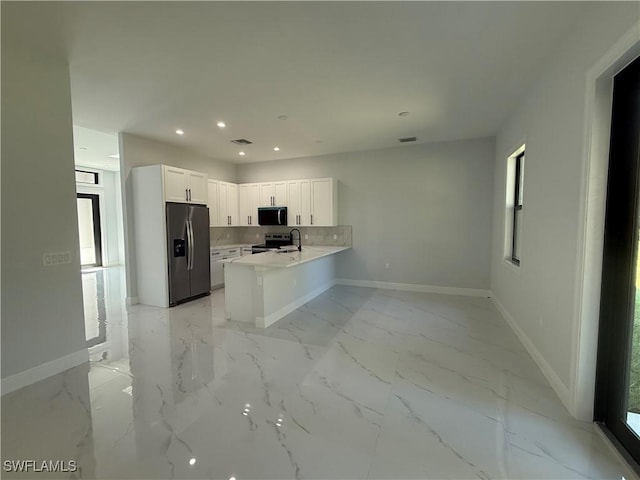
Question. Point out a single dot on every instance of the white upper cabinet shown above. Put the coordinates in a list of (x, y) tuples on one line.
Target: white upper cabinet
[(223, 204), (228, 201), (249, 201), (324, 202), (213, 203), (273, 194), (197, 187), (184, 186), (299, 203)]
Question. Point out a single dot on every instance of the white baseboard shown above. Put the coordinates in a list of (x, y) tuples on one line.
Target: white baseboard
[(552, 377), (132, 301), (264, 322), (35, 374), (411, 287)]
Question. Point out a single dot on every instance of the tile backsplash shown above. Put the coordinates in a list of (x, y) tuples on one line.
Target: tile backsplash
[(223, 235), (255, 235)]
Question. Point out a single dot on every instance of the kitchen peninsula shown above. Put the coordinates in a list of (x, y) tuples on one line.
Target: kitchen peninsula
[(262, 288)]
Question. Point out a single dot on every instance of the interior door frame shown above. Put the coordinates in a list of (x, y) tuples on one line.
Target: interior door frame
[(620, 252), (97, 226)]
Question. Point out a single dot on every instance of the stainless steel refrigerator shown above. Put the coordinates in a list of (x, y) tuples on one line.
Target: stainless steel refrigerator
[(188, 251)]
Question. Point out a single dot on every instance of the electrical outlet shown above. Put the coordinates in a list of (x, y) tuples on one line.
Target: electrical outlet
[(387, 266), (56, 258), (228, 235), (306, 236), (295, 282), (335, 236)]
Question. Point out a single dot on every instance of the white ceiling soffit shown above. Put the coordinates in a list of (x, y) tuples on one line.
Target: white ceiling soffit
[(95, 149), (340, 71)]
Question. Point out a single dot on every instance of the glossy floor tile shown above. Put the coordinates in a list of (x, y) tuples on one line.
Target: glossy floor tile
[(358, 383)]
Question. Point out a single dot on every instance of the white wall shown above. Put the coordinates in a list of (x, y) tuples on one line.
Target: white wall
[(42, 315), (137, 151), (424, 209), (541, 299)]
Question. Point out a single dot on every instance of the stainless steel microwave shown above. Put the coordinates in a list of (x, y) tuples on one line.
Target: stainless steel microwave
[(272, 216)]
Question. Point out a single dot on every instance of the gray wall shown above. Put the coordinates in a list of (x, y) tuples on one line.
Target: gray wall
[(137, 151), (42, 315), (423, 209), (543, 296)]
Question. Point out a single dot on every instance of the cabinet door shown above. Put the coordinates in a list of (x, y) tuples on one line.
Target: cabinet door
[(232, 202), (305, 202), (254, 202), (175, 184), (280, 194), (244, 204), (266, 194), (322, 206), (223, 195), (293, 211), (197, 184), (213, 202)]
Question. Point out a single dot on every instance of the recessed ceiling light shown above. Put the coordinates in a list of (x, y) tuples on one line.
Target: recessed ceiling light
[(403, 114), (180, 132), (282, 117), (221, 124), (241, 154), (192, 461), (276, 149), (83, 148)]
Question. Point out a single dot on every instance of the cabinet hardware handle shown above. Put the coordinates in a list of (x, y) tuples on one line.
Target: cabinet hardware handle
[(250, 219), (311, 219), (186, 194)]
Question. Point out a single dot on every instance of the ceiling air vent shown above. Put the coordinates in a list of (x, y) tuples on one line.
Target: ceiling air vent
[(407, 139), (241, 141)]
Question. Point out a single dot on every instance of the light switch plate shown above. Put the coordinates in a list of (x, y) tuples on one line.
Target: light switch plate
[(56, 258)]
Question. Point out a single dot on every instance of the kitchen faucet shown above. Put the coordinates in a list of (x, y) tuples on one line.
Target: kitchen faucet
[(299, 238)]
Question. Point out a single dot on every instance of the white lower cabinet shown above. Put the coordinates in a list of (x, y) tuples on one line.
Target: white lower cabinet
[(217, 267)]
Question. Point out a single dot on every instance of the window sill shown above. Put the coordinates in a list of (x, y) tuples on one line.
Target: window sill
[(511, 266)]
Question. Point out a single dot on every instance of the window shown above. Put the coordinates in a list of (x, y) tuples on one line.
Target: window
[(514, 207), (85, 177), (517, 211)]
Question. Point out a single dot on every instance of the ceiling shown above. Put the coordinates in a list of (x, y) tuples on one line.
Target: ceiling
[(340, 71), (95, 149)]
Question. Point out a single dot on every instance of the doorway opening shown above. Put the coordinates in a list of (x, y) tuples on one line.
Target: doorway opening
[(617, 402), (89, 230)]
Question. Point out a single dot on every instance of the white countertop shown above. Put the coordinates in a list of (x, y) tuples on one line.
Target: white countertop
[(226, 247), (288, 259)]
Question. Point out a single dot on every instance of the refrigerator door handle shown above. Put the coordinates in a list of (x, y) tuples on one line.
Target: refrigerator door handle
[(189, 244)]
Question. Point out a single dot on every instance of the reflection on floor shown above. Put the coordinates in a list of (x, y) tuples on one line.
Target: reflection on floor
[(94, 302), (358, 383)]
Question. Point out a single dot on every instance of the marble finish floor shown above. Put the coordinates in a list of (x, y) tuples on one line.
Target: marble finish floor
[(358, 383)]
